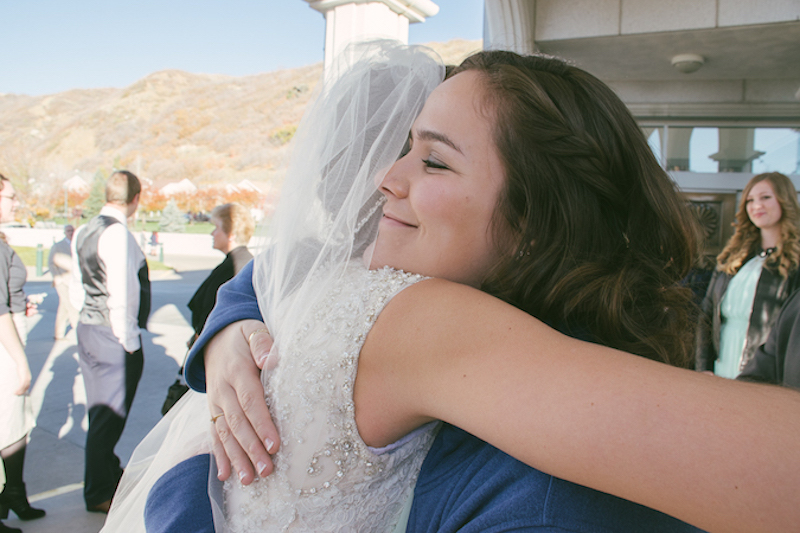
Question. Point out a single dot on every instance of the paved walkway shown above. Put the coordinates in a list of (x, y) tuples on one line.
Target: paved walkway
[(55, 457)]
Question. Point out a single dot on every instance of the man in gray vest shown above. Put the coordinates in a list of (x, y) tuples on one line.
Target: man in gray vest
[(110, 286)]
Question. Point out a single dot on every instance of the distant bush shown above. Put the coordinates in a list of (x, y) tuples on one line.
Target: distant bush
[(283, 135), (296, 91), (41, 213)]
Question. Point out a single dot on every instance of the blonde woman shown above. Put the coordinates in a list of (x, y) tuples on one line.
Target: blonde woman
[(756, 272)]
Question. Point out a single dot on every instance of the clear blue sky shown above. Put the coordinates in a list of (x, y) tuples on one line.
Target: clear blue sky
[(49, 46)]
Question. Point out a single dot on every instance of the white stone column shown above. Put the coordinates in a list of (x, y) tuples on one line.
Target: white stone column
[(348, 21), (509, 25)]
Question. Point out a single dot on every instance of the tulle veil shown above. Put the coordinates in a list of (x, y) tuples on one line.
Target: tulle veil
[(326, 217)]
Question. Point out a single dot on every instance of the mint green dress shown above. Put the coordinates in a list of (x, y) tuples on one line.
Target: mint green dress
[(736, 307)]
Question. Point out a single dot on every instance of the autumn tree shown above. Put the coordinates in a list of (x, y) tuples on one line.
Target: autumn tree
[(246, 197), (207, 199), (75, 199), (152, 200)]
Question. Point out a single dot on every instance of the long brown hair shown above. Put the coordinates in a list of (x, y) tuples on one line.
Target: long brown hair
[(600, 237), (746, 239)]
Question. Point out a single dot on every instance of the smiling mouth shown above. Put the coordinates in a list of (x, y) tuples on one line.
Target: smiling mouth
[(396, 221)]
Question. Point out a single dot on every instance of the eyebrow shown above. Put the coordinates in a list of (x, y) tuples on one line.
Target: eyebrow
[(428, 135)]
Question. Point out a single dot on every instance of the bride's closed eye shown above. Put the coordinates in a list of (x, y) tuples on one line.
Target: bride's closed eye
[(432, 163)]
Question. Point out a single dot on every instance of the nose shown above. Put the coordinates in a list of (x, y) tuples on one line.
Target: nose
[(394, 183)]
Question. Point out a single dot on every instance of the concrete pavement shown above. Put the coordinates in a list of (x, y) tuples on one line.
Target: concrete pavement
[(55, 457)]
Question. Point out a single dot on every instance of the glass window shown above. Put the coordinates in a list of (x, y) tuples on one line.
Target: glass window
[(654, 140), (716, 150), (781, 147), (703, 145)]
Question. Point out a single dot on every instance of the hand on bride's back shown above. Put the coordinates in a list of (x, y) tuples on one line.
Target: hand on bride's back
[(244, 436)]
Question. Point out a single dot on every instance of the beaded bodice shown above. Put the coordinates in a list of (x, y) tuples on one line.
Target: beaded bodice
[(326, 478)]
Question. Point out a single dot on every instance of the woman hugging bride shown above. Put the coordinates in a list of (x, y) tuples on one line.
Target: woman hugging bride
[(428, 236)]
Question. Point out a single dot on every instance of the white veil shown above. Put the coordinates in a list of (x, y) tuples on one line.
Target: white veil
[(330, 205), (326, 217)]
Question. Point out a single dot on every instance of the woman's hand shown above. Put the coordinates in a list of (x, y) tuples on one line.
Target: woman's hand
[(32, 303), (24, 378), (245, 435)]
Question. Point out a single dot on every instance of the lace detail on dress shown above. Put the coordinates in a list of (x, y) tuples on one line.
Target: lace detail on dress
[(326, 478)]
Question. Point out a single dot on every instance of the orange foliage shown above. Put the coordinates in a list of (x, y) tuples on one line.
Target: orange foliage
[(206, 199), (247, 198), (76, 198), (152, 200)]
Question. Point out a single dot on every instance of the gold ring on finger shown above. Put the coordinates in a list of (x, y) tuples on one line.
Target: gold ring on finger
[(259, 330)]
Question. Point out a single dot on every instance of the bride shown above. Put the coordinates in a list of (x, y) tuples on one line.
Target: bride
[(430, 349)]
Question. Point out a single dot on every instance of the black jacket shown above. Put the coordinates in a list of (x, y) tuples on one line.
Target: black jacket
[(206, 296), (772, 290), (778, 360)]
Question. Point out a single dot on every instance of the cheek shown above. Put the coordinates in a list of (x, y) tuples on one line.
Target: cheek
[(465, 227), (449, 208)]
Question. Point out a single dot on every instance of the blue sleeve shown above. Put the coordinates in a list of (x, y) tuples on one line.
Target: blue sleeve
[(468, 486), (236, 300), (178, 502)]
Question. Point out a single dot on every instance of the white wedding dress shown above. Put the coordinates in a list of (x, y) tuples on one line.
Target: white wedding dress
[(326, 478), (319, 301)]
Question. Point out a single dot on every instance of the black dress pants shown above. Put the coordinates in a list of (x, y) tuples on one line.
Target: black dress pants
[(111, 376)]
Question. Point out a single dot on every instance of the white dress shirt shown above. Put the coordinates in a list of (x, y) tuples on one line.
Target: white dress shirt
[(123, 258)]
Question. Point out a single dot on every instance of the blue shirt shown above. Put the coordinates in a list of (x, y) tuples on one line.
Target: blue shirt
[(469, 486)]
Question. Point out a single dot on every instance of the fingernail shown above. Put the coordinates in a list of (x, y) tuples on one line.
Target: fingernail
[(269, 444), (219, 475), (262, 358), (241, 476), (261, 468)]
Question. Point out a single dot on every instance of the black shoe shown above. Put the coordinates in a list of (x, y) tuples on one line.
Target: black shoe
[(16, 499), (5, 529)]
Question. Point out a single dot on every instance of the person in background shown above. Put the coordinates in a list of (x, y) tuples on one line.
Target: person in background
[(60, 264), (110, 284), (154, 243), (233, 227), (756, 272), (16, 417)]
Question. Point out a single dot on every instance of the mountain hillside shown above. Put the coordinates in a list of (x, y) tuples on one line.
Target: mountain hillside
[(168, 126)]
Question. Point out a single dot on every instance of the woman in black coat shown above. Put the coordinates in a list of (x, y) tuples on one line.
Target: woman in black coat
[(756, 272), (233, 227)]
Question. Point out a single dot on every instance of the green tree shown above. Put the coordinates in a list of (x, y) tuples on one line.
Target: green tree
[(172, 219), (97, 195)]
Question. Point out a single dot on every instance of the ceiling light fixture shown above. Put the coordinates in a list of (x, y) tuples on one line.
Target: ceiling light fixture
[(688, 63)]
